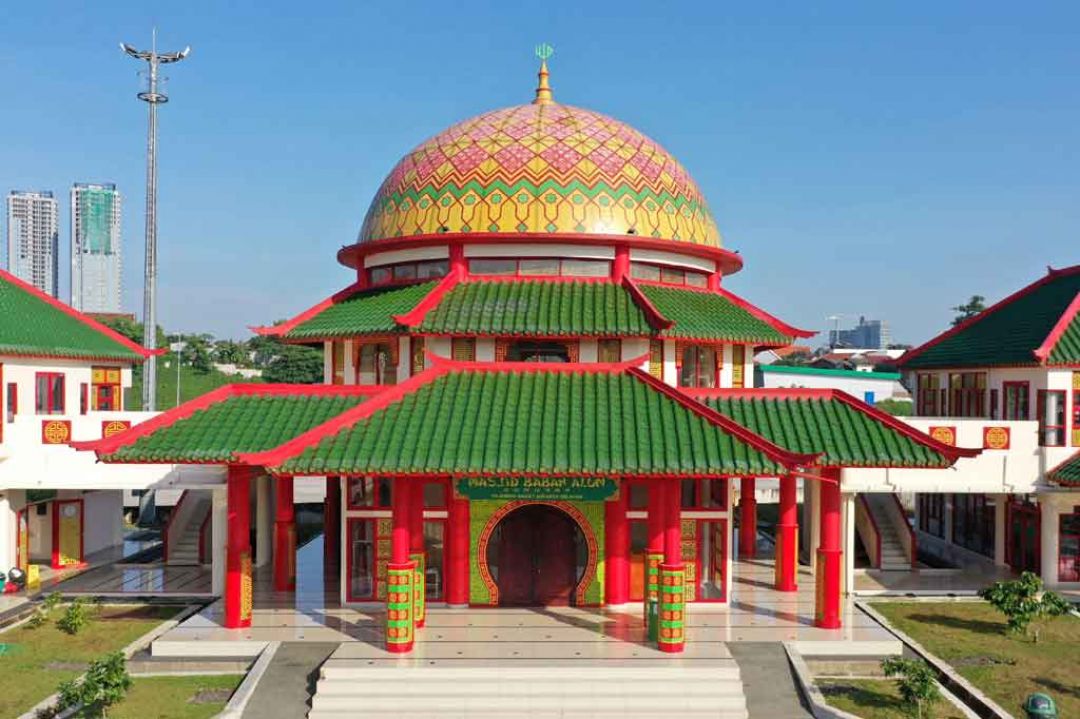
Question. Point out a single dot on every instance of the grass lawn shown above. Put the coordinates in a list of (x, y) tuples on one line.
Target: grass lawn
[(176, 697), (876, 699), (39, 659), (192, 385), (971, 637)]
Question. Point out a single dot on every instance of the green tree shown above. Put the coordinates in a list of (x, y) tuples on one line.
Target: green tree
[(1023, 602), (916, 682), (105, 683), (295, 364), (968, 310)]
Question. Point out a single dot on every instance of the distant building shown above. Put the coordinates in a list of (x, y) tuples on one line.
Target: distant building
[(95, 248), (32, 239), (868, 334)]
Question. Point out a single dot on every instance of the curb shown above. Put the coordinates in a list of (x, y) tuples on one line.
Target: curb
[(969, 695), (238, 701)]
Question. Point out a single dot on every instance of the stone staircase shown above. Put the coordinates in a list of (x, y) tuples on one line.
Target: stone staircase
[(894, 555), (516, 690), (184, 543)]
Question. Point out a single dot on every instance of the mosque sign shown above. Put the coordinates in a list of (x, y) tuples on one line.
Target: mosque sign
[(581, 489)]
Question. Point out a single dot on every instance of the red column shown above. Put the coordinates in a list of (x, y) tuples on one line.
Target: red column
[(617, 548), (787, 537), (829, 555), (399, 573), (284, 537), (332, 522), (457, 553), (672, 631), (238, 548), (417, 553), (747, 519)]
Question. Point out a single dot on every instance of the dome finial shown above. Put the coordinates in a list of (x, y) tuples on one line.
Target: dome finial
[(543, 90)]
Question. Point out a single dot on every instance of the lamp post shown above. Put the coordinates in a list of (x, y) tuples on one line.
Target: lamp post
[(153, 97)]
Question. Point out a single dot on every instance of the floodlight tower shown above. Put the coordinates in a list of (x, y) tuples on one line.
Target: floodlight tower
[(153, 97)]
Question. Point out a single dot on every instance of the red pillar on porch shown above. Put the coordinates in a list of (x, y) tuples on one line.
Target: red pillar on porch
[(747, 519), (787, 537), (829, 555), (399, 572), (238, 548), (457, 553), (617, 548), (284, 537), (332, 521), (417, 551), (672, 635)]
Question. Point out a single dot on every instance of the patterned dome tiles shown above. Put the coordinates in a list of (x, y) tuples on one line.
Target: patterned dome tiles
[(545, 169)]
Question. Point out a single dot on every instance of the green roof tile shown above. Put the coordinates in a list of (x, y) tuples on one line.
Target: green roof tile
[(1011, 331), (1067, 473), (518, 423), (364, 313), (710, 316), (31, 325), (237, 424), (537, 308), (845, 435)]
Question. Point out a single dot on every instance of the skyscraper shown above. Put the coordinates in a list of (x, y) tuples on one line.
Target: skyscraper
[(95, 247), (33, 239)]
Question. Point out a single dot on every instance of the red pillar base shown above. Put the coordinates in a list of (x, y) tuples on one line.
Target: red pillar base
[(787, 557), (829, 579)]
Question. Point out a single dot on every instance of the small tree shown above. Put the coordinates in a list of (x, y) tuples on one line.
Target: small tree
[(105, 683), (915, 681), (1023, 602)]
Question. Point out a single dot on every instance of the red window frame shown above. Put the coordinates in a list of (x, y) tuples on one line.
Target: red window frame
[(1045, 427), (1017, 404), (54, 400)]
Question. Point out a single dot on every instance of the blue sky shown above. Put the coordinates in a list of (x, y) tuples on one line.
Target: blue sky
[(887, 159)]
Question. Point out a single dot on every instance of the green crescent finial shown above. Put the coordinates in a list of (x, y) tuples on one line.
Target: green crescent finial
[(544, 51)]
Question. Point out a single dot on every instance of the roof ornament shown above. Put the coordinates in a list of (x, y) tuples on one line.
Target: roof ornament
[(543, 90)]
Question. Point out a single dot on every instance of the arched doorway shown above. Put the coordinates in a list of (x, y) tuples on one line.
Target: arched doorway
[(537, 555)]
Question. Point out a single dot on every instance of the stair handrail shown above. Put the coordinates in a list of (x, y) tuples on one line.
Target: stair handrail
[(907, 535), (869, 514)]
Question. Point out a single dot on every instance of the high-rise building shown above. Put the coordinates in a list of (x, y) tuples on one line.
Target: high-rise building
[(868, 334), (95, 247), (33, 240)]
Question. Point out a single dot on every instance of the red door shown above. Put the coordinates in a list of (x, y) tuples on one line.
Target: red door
[(537, 557)]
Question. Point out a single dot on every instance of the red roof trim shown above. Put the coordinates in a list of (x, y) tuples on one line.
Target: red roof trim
[(72, 312), (952, 453), (774, 451), (1051, 274), (289, 325), (1047, 347), (417, 314), (169, 417), (653, 315), (1068, 460)]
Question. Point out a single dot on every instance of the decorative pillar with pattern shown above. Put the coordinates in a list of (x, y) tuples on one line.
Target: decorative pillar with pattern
[(829, 572), (284, 537), (417, 552), (238, 549), (747, 519), (616, 547), (787, 537), (672, 635), (399, 574)]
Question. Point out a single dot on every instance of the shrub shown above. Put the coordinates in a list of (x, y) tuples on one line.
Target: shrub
[(915, 681), (1023, 602), (105, 683), (75, 618)]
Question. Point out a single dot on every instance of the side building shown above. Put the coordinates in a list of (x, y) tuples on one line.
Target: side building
[(33, 239), (95, 248)]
